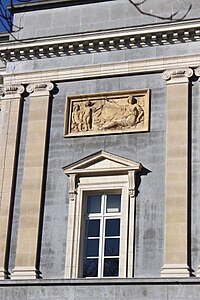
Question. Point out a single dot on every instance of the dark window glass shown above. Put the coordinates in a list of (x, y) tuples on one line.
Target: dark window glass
[(92, 247), (90, 267), (111, 267), (112, 227), (94, 204), (113, 204), (111, 247), (93, 228)]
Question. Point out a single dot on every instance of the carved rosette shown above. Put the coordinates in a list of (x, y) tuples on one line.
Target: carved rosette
[(177, 75), (40, 88)]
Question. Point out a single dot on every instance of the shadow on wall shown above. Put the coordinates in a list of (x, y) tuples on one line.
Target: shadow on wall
[(142, 172)]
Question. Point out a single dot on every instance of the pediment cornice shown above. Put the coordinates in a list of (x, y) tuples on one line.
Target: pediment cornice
[(102, 162)]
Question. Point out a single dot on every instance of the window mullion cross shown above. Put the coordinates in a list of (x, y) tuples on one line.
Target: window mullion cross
[(102, 235)]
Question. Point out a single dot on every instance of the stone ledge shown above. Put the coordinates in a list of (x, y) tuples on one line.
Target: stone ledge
[(102, 281)]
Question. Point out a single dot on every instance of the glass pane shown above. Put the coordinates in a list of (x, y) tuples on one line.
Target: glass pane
[(94, 204), (111, 267), (93, 228), (111, 247), (92, 247), (112, 227), (113, 203), (90, 267)]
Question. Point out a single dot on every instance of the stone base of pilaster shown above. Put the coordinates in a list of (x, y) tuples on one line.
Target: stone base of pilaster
[(23, 273), (175, 270), (198, 272), (2, 274)]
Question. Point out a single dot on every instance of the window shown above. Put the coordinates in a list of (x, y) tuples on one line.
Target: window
[(100, 232), (102, 235)]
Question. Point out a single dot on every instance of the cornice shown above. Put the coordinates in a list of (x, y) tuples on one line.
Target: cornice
[(101, 41), (4, 37), (47, 4)]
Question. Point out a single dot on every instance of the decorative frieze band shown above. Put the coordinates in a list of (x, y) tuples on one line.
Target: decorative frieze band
[(111, 40)]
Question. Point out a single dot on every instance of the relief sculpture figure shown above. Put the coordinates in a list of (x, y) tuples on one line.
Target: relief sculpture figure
[(76, 118), (134, 111), (129, 116), (87, 116), (81, 117), (97, 119)]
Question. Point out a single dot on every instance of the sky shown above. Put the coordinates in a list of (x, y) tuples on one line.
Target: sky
[(3, 4)]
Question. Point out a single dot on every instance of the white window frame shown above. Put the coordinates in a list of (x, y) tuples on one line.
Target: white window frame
[(115, 173), (102, 216)]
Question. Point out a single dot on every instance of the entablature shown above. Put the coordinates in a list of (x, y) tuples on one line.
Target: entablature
[(131, 67)]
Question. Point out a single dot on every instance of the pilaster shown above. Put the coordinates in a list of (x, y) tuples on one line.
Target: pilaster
[(32, 185), (176, 178), (69, 267), (197, 73), (176, 175), (9, 127), (131, 226)]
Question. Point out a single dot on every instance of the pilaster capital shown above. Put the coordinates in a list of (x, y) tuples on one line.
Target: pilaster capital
[(131, 193), (72, 195), (40, 88), (12, 91), (177, 75)]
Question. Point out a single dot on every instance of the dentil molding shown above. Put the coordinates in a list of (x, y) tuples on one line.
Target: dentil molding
[(101, 41)]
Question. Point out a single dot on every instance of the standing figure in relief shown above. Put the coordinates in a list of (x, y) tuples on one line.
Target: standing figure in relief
[(87, 116), (76, 118)]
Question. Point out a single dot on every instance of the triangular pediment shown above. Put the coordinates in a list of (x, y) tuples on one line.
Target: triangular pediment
[(101, 161)]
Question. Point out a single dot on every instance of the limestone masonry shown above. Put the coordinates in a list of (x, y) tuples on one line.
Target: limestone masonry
[(100, 151)]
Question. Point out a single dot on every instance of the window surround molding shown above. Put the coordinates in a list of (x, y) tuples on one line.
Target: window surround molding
[(101, 171)]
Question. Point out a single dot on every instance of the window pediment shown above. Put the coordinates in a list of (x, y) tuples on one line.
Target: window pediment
[(102, 161)]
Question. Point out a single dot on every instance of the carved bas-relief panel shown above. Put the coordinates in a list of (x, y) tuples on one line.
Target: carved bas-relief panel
[(105, 113)]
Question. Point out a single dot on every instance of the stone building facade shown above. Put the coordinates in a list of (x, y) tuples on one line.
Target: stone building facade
[(99, 151)]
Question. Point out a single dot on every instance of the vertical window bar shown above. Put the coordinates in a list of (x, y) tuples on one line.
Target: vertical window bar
[(103, 260)]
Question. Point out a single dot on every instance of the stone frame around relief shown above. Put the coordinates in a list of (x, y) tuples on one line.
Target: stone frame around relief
[(107, 113)]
